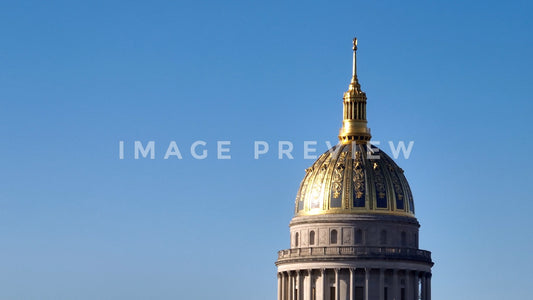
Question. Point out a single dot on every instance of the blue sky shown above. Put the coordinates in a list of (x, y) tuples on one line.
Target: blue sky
[(77, 77)]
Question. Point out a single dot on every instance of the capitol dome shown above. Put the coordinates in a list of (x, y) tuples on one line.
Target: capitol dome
[(354, 235), (349, 178), (352, 177)]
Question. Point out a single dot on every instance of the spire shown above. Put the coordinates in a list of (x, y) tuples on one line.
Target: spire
[(354, 111), (354, 65)]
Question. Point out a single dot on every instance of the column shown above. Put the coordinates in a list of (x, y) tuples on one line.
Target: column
[(423, 290), (279, 286), (284, 286), (416, 285), (367, 283), (428, 288), (408, 285), (310, 287), (293, 290), (381, 284), (352, 284), (298, 286), (395, 285), (323, 293), (291, 287), (337, 284)]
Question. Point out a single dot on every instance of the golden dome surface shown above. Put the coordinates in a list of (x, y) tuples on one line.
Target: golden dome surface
[(350, 179)]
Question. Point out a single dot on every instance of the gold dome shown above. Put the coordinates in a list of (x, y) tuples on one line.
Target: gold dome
[(348, 178)]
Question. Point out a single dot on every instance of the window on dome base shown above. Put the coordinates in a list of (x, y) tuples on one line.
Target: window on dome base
[(333, 237), (383, 237), (403, 239), (358, 236)]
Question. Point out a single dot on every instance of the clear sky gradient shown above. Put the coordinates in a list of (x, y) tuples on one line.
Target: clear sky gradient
[(77, 77)]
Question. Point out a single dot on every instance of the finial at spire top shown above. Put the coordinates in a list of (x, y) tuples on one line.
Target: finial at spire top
[(354, 66)]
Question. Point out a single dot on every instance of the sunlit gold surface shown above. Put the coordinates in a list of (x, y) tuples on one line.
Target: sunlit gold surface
[(349, 172)]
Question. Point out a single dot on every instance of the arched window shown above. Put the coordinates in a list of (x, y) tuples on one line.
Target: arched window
[(296, 239), (312, 238), (404, 238), (383, 237), (358, 236), (333, 237)]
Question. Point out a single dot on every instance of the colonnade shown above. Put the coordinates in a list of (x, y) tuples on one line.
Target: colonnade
[(316, 284)]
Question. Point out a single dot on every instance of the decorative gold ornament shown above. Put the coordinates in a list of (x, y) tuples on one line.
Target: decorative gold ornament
[(358, 176), (337, 175)]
